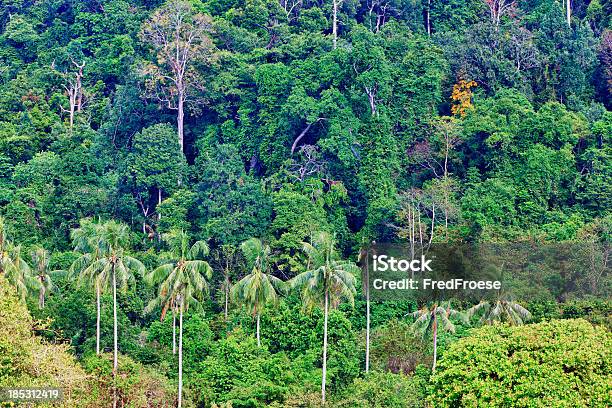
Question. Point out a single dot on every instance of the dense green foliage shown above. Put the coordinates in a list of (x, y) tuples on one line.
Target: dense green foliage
[(261, 156), (553, 364)]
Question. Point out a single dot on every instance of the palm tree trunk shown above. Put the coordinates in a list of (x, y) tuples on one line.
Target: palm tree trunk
[(435, 343), (226, 294), (367, 293), (114, 338), (41, 296), (258, 336), (98, 318), (324, 378), (173, 333), (180, 384)]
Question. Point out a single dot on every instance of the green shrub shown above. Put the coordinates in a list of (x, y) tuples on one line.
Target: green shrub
[(27, 361), (384, 390), (137, 385), (561, 363)]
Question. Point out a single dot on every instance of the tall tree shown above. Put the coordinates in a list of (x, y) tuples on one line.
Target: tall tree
[(40, 262), (182, 282), (327, 281), (501, 309), (427, 320), (17, 271), (113, 262), (258, 288), (156, 166), (500, 8), (336, 4), (226, 260), (364, 257), (85, 240), (180, 41), (4, 246)]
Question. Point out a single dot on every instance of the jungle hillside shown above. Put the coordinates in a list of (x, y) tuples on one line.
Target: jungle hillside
[(189, 190)]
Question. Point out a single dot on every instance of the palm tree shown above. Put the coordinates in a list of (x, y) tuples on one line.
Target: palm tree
[(327, 281), (258, 288), (40, 259), (86, 239), (110, 243), (503, 309), (17, 271), (428, 319), (13, 266), (4, 245), (364, 257), (182, 282)]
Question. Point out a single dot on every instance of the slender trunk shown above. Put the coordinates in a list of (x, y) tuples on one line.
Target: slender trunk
[(159, 200), (300, 136), (324, 378), (367, 293), (258, 335), (428, 22), (180, 119), (568, 12), (435, 343), (114, 337), (180, 384), (433, 223), (98, 318), (446, 188), (226, 294), (41, 296), (71, 117), (173, 333), (335, 23)]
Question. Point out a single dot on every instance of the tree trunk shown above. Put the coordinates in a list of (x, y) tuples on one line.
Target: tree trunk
[(114, 337), (159, 200), (324, 378), (180, 119), (568, 12), (71, 117), (180, 384), (335, 23), (435, 343), (258, 335), (300, 136), (226, 294), (173, 333), (367, 293), (41, 296), (98, 318), (428, 21)]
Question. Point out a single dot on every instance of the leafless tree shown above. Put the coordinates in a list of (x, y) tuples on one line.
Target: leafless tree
[(308, 164), (379, 12), (73, 86), (292, 8), (180, 39), (522, 50), (500, 8)]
